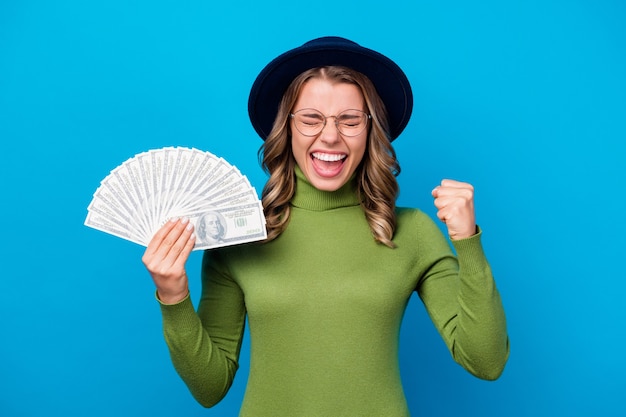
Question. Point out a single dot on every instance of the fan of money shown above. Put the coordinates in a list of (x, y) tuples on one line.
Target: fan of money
[(141, 194)]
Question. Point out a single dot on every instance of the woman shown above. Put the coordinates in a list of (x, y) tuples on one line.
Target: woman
[(325, 294)]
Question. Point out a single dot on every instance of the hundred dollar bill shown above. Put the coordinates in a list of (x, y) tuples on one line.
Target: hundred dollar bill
[(248, 196), (118, 191), (224, 226), (221, 196), (99, 222)]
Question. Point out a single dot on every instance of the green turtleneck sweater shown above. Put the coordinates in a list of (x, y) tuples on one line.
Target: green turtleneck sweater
[(324, 304)]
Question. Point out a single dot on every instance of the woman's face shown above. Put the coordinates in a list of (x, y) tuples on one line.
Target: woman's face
[(329, 159)]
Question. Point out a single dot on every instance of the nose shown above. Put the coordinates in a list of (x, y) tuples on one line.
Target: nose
[(330, 133)]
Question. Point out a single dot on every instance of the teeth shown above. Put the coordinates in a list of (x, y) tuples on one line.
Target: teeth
[(328, 157)]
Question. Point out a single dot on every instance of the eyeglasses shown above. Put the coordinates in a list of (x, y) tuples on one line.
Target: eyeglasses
[(311, 122)]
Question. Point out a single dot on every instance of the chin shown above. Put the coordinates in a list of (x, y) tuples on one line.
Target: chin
[(327, 184)]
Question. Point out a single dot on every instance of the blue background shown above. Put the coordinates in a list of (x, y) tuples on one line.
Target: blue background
[(525, 99)]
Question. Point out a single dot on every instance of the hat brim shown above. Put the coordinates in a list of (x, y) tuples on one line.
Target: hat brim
[(388, 78)]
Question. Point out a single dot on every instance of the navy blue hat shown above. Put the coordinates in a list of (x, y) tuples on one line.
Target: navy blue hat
[(390, 81)]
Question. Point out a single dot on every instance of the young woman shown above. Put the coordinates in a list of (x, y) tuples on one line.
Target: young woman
[(324, 295)]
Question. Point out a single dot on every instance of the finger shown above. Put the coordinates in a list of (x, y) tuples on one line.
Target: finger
[(159, 236), (465, 191), (184, 245), (441, 202), (181, 260), (458, 199), (441, 215), (175, 241), (158, 256), (447, 185), (455, 184), (448, 213)]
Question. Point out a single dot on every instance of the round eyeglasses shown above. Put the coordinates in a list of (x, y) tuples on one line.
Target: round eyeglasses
[(311, 122)]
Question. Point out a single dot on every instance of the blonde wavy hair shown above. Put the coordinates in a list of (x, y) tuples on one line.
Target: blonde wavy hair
[(377, 186)]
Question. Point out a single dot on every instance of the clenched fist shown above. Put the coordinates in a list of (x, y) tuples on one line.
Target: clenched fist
[(455, 201)]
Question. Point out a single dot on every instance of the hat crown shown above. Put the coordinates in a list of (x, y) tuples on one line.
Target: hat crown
[(330, 40), (388, 78)]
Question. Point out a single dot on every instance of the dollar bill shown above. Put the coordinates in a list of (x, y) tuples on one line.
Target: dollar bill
[(225, 226), (145, 191)]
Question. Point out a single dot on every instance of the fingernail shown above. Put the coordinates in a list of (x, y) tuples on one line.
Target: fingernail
[(189, 226), (174, 219), (184, 220)]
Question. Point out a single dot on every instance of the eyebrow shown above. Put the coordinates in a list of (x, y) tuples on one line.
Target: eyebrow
[(311, 112)]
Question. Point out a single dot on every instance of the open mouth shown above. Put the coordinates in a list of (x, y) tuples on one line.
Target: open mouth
[(328, 164)]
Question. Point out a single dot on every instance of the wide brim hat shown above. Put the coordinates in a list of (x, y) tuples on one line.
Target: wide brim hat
[(388, 78)]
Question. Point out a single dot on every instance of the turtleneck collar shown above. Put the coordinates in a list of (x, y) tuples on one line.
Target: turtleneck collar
[(310, 198)]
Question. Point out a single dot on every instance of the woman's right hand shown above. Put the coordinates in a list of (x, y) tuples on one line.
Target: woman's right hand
[(165, 259)]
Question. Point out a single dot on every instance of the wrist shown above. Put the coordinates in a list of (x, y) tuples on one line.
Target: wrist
[(464, 235), (171, 298)]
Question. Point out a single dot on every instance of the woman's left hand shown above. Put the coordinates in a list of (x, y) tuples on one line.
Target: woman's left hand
[(455, 201)]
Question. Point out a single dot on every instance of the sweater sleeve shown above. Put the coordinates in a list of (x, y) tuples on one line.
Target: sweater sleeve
[(463, 302), (204, 345)]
